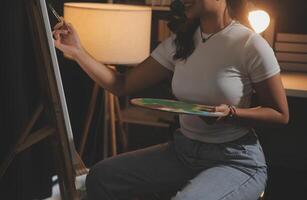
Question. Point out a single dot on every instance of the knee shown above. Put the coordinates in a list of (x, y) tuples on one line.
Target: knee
[(98, 180), (100, 174), (180, 196), (92, 179)]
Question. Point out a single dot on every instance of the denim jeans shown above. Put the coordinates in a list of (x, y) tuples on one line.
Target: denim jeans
[(184, 169)]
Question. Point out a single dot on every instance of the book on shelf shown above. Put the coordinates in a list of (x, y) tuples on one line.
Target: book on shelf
[(158, 2)]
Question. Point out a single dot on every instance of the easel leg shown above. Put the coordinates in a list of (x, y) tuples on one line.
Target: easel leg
[(88, 118), (65, 175), (112, 124), (106, 126), (111, 115), (20, 140), (123, 133)]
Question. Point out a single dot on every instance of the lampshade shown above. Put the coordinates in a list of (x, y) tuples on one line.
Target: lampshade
[(112, 33)]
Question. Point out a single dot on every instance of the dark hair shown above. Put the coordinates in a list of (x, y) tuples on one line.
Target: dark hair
[(185, 28)]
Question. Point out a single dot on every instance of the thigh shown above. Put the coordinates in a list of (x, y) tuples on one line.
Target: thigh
[(224, 183), (153, 169)]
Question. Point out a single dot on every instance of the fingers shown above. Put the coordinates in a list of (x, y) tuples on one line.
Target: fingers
[(57, 36), (57, 41), (70, 28), (62, 25), (59, 25), (221, 108), (65, 26), (206, 108), (58, 44), (64, 32), (58, 33)]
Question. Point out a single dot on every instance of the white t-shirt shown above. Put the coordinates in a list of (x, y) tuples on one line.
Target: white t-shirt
[(219, 71)]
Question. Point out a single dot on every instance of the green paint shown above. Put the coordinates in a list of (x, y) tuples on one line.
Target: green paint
[(175, 106), (169, 103)]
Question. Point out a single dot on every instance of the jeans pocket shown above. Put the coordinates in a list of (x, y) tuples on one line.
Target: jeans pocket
[(234, 149), (237, 147)]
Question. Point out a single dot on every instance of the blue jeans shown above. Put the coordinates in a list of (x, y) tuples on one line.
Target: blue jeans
[(184, 169)]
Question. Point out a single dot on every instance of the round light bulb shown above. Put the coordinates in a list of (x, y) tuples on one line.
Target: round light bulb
[(259, 20)]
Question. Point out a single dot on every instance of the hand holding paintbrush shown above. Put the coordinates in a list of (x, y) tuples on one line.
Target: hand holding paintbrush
[(61, 22), (65, 36)]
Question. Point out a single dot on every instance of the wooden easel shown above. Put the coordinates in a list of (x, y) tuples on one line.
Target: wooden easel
[(112, 114), (57, 129)]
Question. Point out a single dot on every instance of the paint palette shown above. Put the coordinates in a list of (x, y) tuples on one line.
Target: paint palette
[(177, 107)]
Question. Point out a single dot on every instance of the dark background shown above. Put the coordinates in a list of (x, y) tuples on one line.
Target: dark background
[(29, 175)]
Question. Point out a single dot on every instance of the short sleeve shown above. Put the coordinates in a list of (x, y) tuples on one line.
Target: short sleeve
[(164, 53), (259, 59)]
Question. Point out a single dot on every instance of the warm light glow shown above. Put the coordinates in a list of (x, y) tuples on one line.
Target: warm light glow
[(259, 20), (112, 33)]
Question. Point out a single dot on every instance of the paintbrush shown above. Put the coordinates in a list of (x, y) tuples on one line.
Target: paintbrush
[(55, 13)]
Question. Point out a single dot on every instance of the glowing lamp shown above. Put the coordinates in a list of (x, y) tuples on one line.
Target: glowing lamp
[(259, 20)]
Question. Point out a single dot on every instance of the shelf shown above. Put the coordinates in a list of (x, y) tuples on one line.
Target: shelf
[(160, 8), (295, 83)]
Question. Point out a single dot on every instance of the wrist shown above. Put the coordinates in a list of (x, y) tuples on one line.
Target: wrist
[(232, 113), (78, 54)]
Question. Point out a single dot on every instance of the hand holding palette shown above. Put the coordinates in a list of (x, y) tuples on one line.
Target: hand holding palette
[(177, 107)]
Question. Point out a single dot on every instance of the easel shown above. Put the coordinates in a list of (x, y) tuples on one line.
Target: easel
[(57, 130), (112, 114)]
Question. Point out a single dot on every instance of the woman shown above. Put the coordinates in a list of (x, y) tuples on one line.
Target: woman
[(215, 60)]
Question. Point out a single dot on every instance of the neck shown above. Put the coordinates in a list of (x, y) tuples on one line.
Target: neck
[(213, 23)]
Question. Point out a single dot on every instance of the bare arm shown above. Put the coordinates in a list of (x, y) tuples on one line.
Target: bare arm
[(146, 74), (273, 109)]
